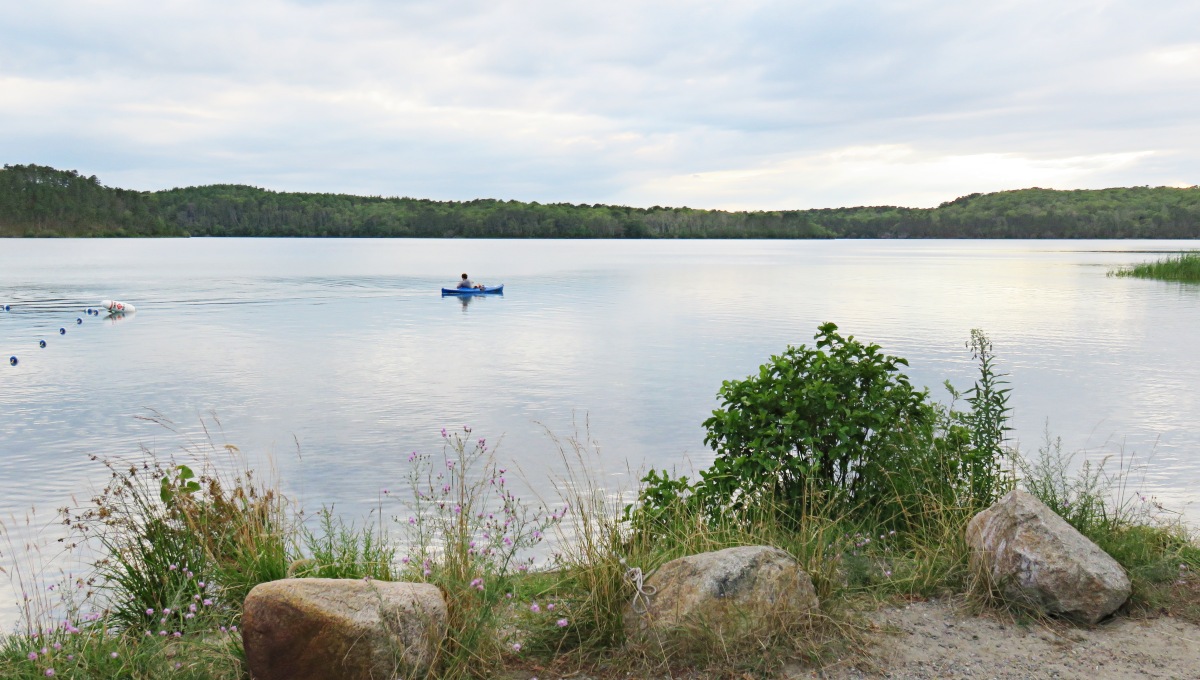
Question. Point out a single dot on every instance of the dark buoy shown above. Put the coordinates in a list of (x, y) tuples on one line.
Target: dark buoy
[(6, 308), (78, 320), (62, 331), (12, 360), (41, 343)]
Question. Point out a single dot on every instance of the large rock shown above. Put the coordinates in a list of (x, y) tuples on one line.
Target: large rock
[(728, 592), (1035, 558), (341, 629)]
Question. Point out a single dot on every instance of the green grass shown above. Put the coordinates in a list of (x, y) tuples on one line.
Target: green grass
[(1184, 267), (154, 543)]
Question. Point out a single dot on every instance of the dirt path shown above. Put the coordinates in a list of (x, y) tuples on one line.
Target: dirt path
[(941, 640)]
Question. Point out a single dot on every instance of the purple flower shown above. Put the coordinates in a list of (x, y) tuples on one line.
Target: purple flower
[(562, 623), (516, 646), (535, 608)]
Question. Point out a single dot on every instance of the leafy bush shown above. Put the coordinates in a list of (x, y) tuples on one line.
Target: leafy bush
[(831, 418), (840, 427)]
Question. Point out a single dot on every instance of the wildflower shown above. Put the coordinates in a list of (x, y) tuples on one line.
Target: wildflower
[(176, 634), (562, 623), (162, 633), (516, 646), (167, 611), (412, 520), (443, 432), (113, 655), (49, 672), (508, 595), (550, 607), (57, 646), (173, 567), (233, 629), (207, 602), (535, 608), (150, 612), (201, 584), (189, 615), (33, 656), (191, 608)]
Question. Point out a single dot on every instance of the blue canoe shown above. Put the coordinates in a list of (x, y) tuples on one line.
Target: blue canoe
[(487, 290)]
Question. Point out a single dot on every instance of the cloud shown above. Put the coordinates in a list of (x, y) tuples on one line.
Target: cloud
[(553, 101)]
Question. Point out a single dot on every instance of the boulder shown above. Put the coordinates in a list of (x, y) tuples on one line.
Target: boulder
[(341, 629), (1035, 558), (735, 591)]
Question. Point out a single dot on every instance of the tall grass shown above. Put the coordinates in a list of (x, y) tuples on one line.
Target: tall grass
[(1184, 267), (178, 544), (1103, 501)]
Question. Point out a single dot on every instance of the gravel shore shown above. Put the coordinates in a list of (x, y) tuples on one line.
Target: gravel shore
[(941, 640)]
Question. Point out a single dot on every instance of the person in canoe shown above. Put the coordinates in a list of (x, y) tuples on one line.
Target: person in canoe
[(468, 283)]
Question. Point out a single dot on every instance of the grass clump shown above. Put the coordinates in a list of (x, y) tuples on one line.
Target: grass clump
[(1158, 551), (1184, 267)]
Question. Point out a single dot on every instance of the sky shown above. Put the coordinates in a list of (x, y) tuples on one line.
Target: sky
[(740, 105)]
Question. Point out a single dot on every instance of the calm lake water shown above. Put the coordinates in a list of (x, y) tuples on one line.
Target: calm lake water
[(333, 359)]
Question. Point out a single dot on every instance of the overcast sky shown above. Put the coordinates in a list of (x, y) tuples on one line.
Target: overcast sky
[(734, 104)]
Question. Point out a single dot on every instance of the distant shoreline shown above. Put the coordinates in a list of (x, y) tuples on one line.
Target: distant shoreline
[(43, 202)]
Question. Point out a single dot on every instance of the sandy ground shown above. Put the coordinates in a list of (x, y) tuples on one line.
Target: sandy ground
[(942, 640)]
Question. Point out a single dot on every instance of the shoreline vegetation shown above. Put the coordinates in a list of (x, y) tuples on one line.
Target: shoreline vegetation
[(827, 452), (43, 202), (1184, 268)]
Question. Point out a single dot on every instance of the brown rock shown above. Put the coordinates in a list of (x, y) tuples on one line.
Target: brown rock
[(1035, 558), (341, 629), (734, 591)]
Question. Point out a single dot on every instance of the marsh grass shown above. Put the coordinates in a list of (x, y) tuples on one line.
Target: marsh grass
[(1184, 267)]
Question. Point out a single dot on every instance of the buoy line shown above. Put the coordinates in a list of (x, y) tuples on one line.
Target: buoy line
[(115, 308)]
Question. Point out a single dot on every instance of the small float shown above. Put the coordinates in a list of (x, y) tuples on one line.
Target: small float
[(486, 290), (117, 307)]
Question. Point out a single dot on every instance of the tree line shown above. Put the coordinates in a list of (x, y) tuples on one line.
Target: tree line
[(41, 201)]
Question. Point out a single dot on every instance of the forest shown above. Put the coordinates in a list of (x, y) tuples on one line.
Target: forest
[(39, 201)]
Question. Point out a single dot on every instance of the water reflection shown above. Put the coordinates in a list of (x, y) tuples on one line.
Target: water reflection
[(338, 348)]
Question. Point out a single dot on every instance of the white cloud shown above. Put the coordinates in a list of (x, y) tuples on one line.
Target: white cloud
[(904, 176), (547, 101)]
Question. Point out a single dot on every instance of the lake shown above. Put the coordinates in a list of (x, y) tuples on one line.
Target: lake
[(331, 360)]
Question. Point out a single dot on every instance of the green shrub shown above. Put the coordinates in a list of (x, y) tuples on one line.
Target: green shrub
[(833, 417), (840, 427)]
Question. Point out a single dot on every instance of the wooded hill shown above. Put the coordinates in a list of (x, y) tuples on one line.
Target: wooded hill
[(40, 201)]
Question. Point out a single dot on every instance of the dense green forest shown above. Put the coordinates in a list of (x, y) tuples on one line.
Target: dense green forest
[(42, 201)]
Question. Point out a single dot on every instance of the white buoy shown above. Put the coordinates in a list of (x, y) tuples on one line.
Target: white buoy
[(116, 307)]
